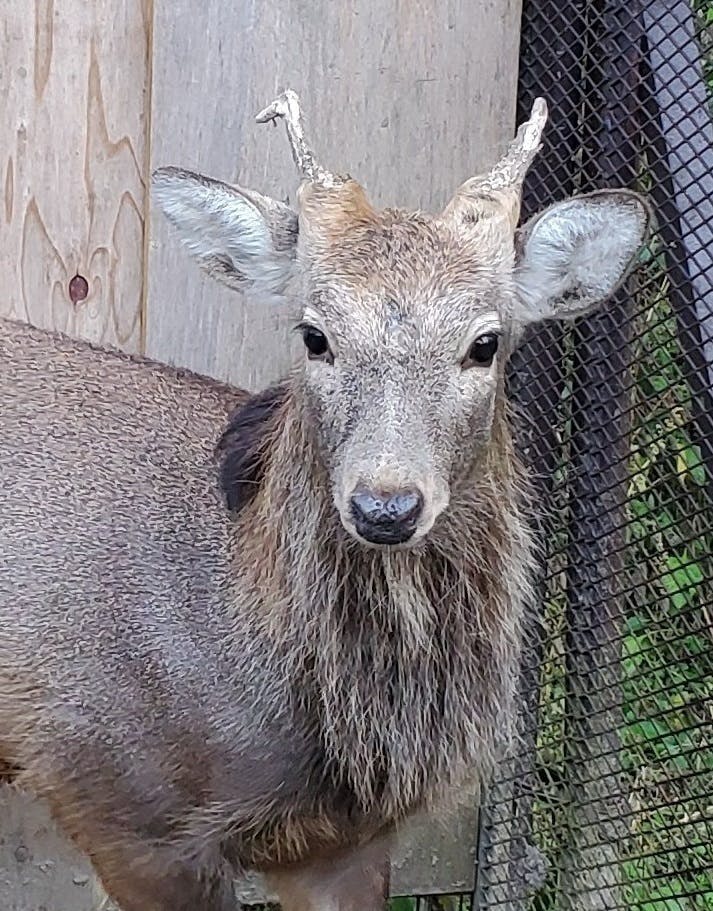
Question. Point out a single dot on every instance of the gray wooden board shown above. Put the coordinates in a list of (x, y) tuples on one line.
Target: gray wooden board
[(431, 857), (74, 79), (39, 868)]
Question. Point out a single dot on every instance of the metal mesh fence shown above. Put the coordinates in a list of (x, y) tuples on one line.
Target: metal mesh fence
[(607, 800)]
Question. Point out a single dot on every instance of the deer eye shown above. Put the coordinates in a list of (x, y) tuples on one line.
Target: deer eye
[(316, 343), (482, 351)]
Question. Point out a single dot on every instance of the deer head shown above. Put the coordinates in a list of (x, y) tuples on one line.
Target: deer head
[(407, 318)]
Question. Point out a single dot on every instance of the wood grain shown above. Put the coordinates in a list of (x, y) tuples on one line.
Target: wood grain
[(74, 88), (409, 96)]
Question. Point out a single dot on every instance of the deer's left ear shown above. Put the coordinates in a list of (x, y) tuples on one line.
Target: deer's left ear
[(575, 254)]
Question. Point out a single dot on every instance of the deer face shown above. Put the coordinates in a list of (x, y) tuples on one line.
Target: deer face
[(407, 319), (405, 334)]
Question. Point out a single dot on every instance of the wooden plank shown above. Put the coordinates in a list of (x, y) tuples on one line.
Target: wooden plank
[(437, 855), (73, 161), (431, 857), (74, 87), (409, 97)]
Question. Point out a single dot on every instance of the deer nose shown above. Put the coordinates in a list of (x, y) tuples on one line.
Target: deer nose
[(386, 518)]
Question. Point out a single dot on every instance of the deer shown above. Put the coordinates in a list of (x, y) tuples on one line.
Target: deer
[(259, 631)]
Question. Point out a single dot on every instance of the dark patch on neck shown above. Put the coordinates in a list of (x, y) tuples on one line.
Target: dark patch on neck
[(243, 449)]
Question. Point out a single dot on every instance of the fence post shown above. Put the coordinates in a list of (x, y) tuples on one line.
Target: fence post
[(679, 137), (597, 809)]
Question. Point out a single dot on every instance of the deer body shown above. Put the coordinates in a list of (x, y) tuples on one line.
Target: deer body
[(147, 650), (260, 631)]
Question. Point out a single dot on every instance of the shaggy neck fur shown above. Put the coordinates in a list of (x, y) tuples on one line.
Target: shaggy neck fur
[(405, 659)]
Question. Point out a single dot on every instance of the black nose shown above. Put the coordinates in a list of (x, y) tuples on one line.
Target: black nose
[(386, 518)]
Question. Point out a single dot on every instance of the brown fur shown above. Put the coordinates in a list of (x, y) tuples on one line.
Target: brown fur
[(358, 881), (327, 215), (379, 655)]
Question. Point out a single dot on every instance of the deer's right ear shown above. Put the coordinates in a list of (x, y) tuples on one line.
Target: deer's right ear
[(574, 255), (240, 237)]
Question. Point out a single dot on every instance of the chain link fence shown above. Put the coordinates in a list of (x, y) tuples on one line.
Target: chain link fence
[(607, 800)]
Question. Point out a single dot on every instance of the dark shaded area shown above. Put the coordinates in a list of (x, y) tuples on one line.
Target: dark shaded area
[(243, 447)]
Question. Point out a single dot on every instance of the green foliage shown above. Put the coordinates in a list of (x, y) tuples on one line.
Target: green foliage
[(434, 903), (666, 674), (704, 21), (402, 904), (667, 659)]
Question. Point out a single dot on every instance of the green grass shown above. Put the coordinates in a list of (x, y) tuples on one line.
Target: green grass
[(436, 903)]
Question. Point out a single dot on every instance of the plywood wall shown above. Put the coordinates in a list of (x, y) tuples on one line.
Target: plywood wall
[(75, 91), (409, 96)]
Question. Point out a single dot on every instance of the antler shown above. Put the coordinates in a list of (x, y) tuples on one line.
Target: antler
[(287, 106), (498, 191), (512, 168)]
